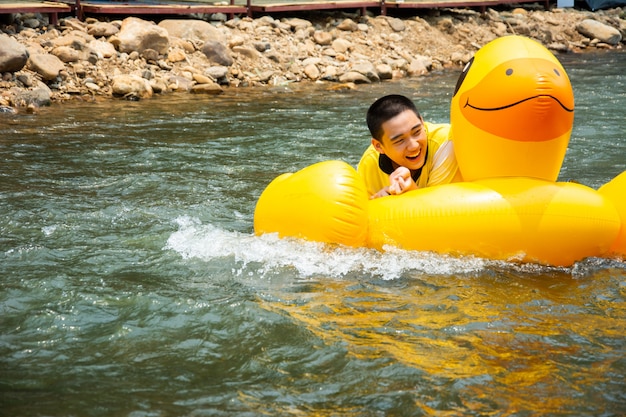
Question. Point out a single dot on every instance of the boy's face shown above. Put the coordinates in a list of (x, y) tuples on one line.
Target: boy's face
[(404, 140)]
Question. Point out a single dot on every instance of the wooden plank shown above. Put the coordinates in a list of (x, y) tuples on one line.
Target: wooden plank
[(34, 7), (312, 5), (51, 8), (142, 8), (127, 8), (432, 4)]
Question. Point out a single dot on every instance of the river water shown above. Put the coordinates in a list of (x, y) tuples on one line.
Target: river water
[(132, 284)]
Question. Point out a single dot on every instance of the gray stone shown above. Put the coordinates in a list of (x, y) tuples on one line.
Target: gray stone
[(46, 65), (37, 97), (102, 29), (193, 30), (354, 77), (397, 25), (598, 30), (217, 53), (13, 55)]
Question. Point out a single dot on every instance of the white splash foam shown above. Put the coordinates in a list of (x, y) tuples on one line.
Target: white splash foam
[(208, 242)]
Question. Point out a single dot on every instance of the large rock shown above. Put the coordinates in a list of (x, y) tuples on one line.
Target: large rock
[(46, 65), (598, 30), (102, 48), (207, 88), (13, 55), (217, 53), (102, 29), (139, 35), (192, 30), (37, 97), (67, 54), (129, 85)]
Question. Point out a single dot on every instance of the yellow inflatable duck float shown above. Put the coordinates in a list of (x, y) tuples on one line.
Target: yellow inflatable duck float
[(511, 118)]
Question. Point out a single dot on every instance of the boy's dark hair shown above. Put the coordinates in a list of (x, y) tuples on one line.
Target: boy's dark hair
[(386, 108)]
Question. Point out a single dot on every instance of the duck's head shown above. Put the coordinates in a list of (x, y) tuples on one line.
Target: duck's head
[(512, 112)]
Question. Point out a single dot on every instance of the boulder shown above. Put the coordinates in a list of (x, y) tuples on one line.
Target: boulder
[(138, 35), (207, 88), (598, 30), (130, 85), (217, 53), (67, 54), (13, 55), (102, 48), (102, 29), (348, 25), (37, 97), (368, 69), (354, 77), (46, 65), (193, 30)]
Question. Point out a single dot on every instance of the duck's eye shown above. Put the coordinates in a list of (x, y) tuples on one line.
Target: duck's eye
[(462, 76), (509, 71), (556, 71)]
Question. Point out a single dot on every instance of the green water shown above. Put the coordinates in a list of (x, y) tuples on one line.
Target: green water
[(131, 283)]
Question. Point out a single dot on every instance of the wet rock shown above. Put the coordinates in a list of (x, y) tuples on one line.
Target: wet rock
[(7, 109), (217, 53), (385, 72), (178, 83), (419, 65), (354, 77), (193, 30), (216, 72), (46, 65), (330, 73), (130, 85), (368, 69), (36, 97), (158, 86), (598, 30), (207, 88), (139, 35), (13, 55)]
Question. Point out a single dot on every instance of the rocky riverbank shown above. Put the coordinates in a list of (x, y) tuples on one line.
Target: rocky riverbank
[(135, 58)]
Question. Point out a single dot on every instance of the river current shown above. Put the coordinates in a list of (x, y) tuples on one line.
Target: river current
[(131, 283)]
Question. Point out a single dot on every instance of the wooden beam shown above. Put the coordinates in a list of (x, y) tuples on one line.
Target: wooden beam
[(51, 8)]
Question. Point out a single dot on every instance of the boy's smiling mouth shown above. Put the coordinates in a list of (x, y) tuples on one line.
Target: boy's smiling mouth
[(413, 157)]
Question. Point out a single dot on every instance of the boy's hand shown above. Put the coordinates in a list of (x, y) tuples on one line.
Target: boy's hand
[(401, 181)]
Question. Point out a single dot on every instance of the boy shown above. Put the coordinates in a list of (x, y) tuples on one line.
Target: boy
[(406, 153)]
